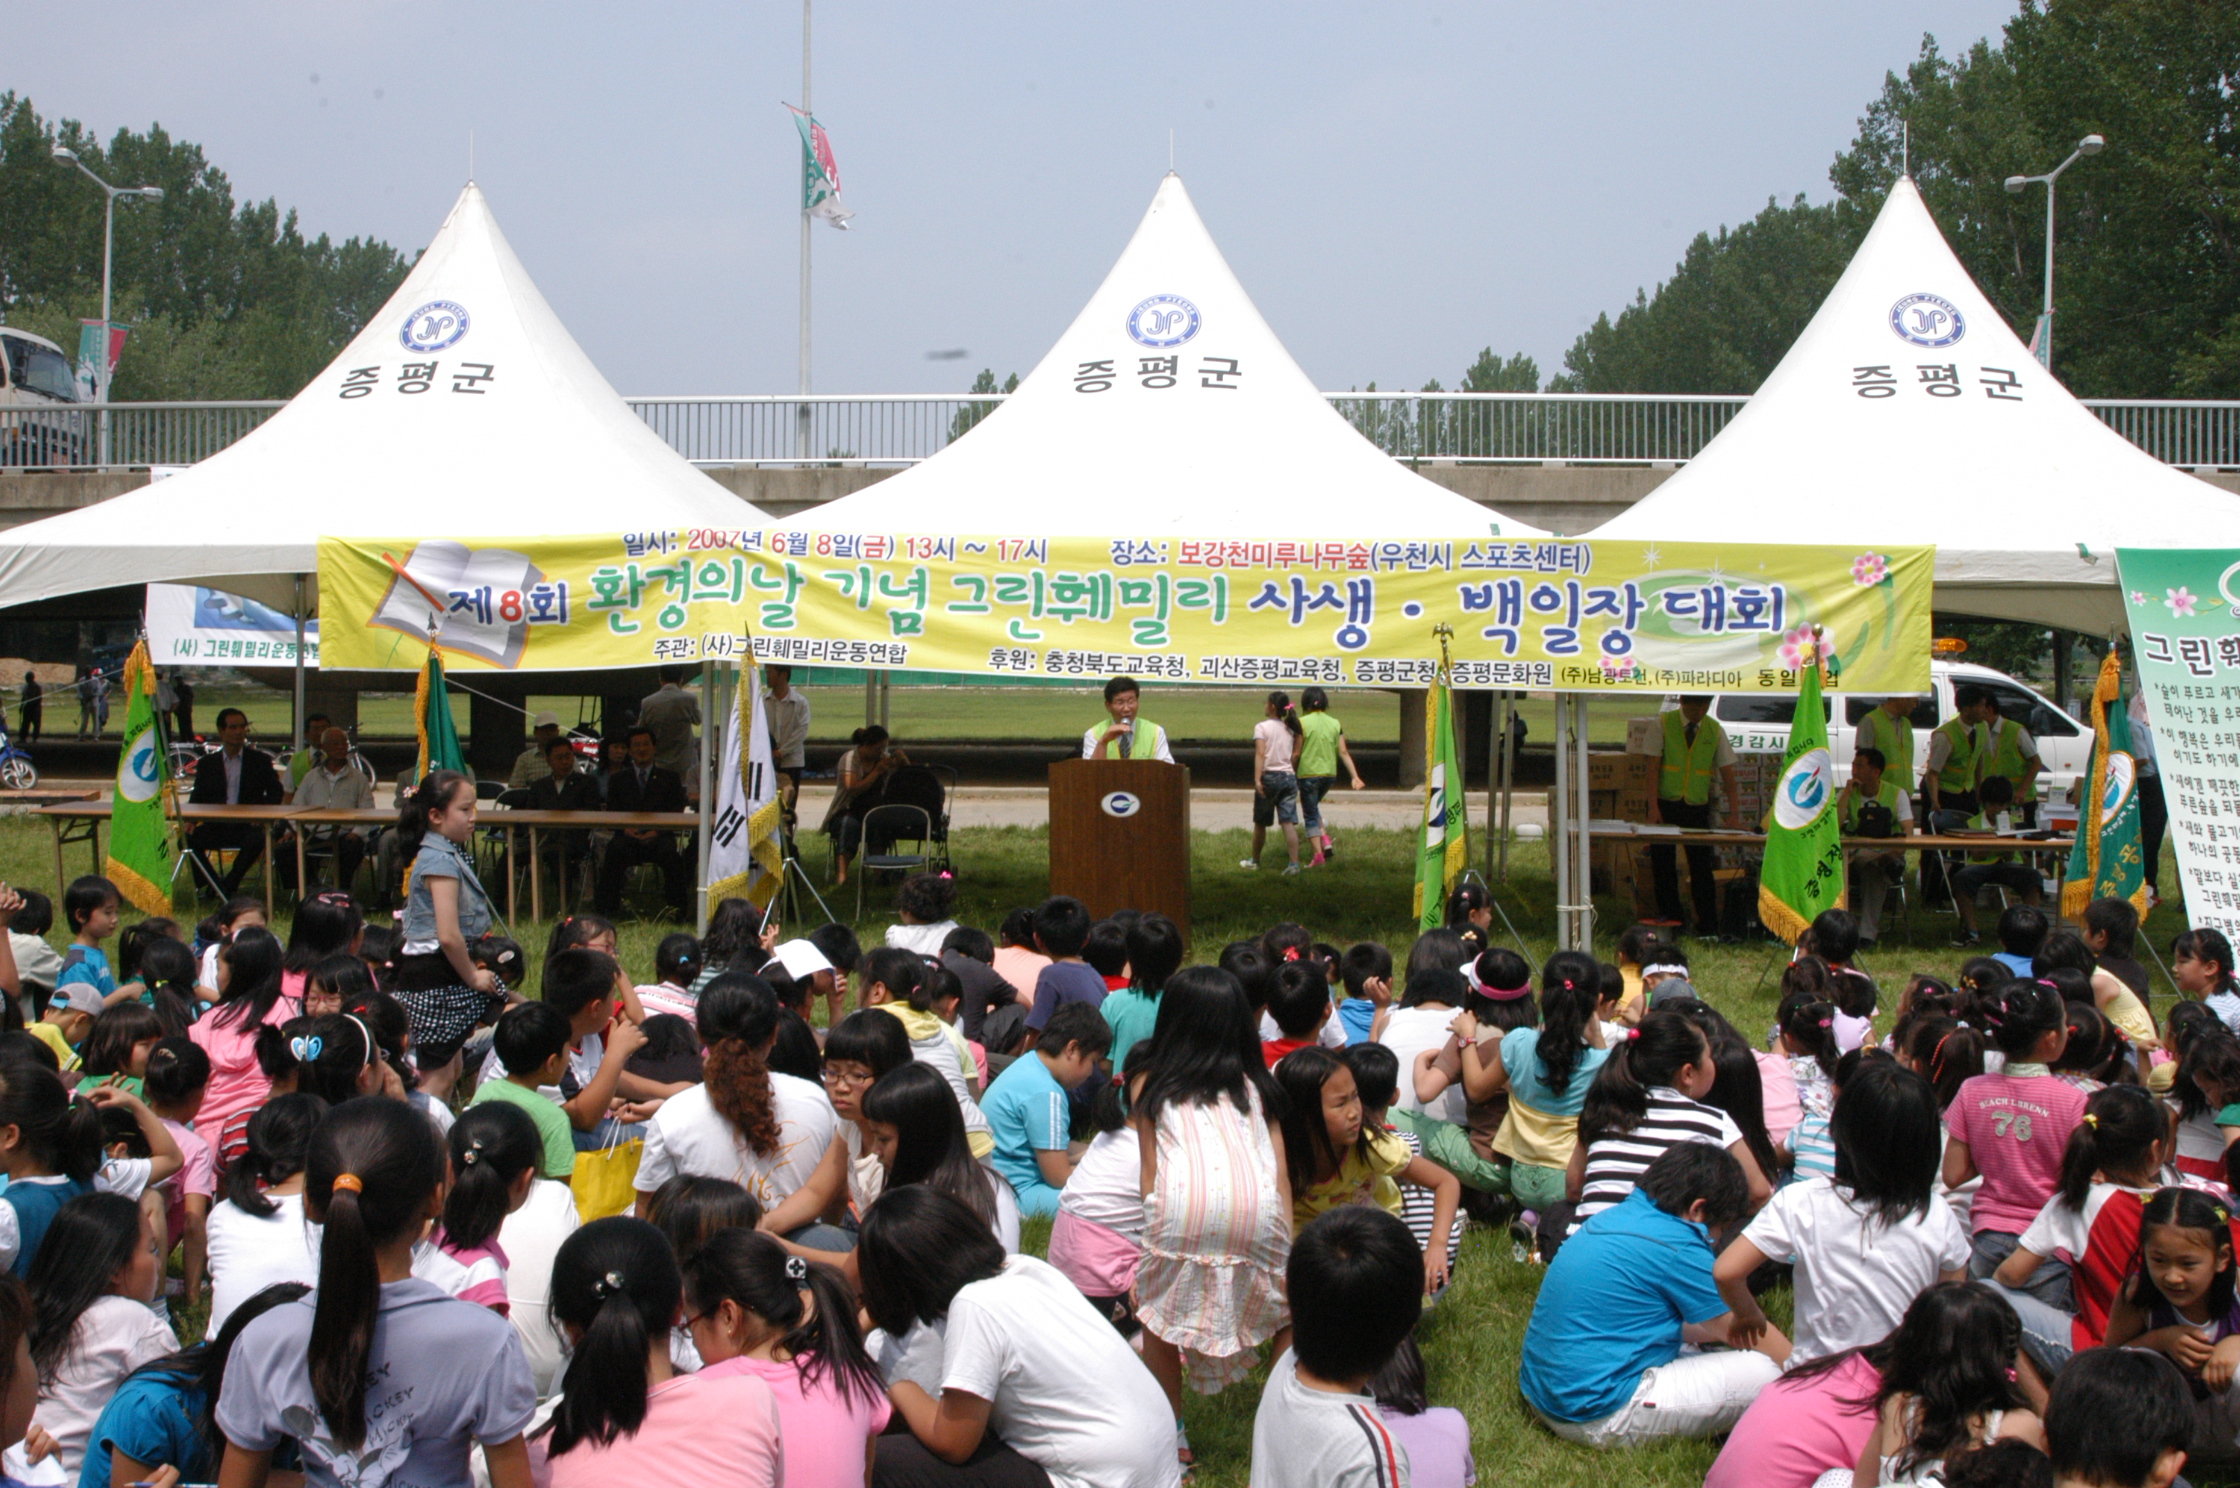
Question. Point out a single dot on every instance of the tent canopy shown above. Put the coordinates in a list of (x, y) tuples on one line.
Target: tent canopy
[(1908, 412), (462, 408), (1167, 407)]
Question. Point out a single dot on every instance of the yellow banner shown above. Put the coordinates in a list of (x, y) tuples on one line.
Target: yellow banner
[(536, 603), (1569, 614)]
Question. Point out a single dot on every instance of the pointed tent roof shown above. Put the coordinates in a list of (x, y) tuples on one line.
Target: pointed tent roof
[(1257, 453), (543, 445), (2025, 496)]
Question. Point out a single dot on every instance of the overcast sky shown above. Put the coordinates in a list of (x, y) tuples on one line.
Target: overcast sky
[(1396, 185)]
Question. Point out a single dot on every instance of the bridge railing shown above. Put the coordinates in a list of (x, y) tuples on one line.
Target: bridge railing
[(1523, 428)]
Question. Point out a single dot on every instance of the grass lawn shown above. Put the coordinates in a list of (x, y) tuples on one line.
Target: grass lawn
[(1472, 1339)]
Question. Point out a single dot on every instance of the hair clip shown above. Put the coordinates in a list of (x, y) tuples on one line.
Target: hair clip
[(2224, 1216), (1632, 1034), (1827, 1022), (348, 1183), (607, 1285), (2011, 1375), (305, 1049), (2092, 1121), (797, 1269)]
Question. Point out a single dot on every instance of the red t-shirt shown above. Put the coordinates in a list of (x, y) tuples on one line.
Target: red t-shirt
[(1273, 1050), (2101, 1242)]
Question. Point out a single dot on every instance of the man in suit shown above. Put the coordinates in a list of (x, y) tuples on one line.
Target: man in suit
[(563, 787), (642, 785), (235, 776)]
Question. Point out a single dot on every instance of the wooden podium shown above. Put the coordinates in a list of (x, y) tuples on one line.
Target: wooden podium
[(1120, 836)]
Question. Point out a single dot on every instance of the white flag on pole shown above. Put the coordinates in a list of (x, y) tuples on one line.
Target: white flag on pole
[(744, 852)]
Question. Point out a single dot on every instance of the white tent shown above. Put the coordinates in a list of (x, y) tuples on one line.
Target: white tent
[(1908, 412), (1168, 406), (464, 407)]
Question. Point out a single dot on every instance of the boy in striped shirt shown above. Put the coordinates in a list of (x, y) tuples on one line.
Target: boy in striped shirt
[(1356, 1285)]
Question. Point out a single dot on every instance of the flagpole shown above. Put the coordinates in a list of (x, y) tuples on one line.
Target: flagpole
[(708, 736), (801, 411)]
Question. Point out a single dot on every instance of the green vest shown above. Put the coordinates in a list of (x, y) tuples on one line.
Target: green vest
[(1959, 772), (1148, 738), (1981, 822), (1886, 795), (2005, 758), (1686, 775), (1894, 738)]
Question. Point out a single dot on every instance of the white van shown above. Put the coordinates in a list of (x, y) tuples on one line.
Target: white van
[(1758, 723), (39, 419)]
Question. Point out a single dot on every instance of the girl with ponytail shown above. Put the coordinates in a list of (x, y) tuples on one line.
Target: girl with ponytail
[(1275, 778), (760, 1313), (625, 1415), (50, 1148), (446, 910), (774, 1135), (377, 1375), (2110, 1168), (914, 989), (1546, 1072), (1646, 1099), (2012, 1126), (495, 1150), (256, 1233)]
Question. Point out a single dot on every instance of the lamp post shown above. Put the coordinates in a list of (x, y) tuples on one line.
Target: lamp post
[(65, 156), (2091, 144)]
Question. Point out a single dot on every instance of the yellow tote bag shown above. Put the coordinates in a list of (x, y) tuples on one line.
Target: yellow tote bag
[(604, 1181)]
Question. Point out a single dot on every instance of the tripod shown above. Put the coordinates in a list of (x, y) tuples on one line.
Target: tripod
[(793, 882)]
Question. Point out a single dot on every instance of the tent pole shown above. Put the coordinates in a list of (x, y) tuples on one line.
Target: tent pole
[(708, 744), (296, 723), (1507, 787), (1559, 841), (1582, 862)]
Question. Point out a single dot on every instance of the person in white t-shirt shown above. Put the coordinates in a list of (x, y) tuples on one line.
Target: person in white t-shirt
[(256, 1230), (102, 1261), (1024, 1358), (1865, 1242), (773, 1135)]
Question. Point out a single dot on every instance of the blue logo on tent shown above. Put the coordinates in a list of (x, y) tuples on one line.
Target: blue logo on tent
[(1164, 320), (433, 326), (1925, 320)]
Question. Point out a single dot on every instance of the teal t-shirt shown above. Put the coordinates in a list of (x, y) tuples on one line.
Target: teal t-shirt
[(1318, 744), (1027, 1112), (1131, 1015)]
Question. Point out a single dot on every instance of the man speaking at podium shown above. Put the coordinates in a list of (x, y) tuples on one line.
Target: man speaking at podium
[(1126, 736)]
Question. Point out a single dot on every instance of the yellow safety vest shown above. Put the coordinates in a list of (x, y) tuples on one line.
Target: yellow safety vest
[(1146, 745), (1893, 738), (1959, 772), (2004, 757), (1686, 774), (1886, 795)]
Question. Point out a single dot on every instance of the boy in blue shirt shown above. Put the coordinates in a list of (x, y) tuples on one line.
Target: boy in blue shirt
[(1027, 1109), (90, 904), (1367, 974), (1603, 1364), (1061, 929)]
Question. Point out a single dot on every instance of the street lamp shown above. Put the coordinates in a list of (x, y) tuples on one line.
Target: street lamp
[(66, 156), (2091, 144)]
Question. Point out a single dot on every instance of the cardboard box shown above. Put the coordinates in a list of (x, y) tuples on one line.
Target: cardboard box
[(1620, 771)]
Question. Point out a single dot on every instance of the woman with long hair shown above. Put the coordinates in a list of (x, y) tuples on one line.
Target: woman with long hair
[(774, 1135)]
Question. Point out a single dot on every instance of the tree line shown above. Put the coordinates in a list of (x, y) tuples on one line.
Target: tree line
[(224, 300)]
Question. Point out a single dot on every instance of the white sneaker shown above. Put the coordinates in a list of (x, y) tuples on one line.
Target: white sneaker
[(1249, 864), (1288, 872)]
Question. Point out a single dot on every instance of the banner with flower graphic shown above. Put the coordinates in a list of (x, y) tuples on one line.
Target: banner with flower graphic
[(2183, 606), (1569, 614)]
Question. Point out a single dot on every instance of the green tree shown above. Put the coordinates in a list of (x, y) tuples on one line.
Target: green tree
[(224, 301), (2148, 284), (971, 413)]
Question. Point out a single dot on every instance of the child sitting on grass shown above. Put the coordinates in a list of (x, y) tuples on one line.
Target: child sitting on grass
[(1336, 1157), (1356, 1287), (1602, 1364)]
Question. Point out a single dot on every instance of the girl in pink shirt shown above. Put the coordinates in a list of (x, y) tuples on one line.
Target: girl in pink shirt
[(761, 1313), (625, 1414), (495, 1152), (249, 997), (2011, 1127)]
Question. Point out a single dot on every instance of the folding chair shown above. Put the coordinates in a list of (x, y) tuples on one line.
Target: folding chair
[(879, 851), (920, 786)]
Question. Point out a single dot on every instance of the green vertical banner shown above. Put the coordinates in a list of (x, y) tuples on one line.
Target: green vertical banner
[(1444, 846), (139, 837), (2106, 862), (1803, 870), (431, 718)]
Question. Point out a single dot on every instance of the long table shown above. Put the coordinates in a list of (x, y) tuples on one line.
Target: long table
[(511, 821), (1927, 841), (90, 813)]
